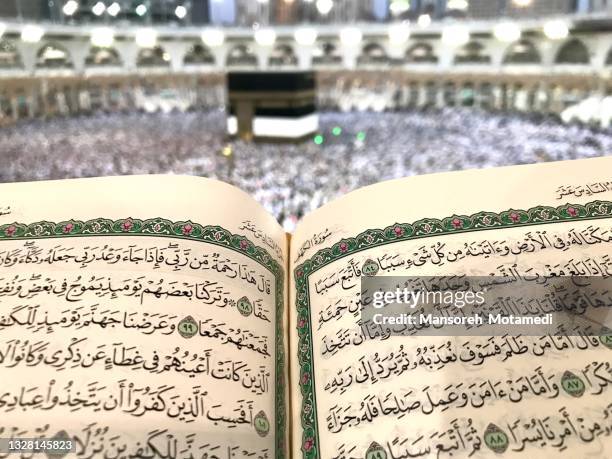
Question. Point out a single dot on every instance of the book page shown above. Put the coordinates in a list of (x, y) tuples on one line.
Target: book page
[(142, 317), (362, 392)]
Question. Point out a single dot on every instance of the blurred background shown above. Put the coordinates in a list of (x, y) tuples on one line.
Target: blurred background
[(404, 87)]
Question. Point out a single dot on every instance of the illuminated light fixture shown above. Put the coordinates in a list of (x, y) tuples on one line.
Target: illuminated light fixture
[(507, 32), (556, 29), (455, 35), (70, 7), (32, 34), (350, 36), (2, 29), (461, 5), (146, 38), (98, 9), (424, 21), (397, 7), (262, 1), (289, 2), (213, 37), (141, 10), (180, 12), (265, 37), (324, 6), (102, 37), (232, 125), (522, 3), (398, 34), (305, 36), (114, 9)]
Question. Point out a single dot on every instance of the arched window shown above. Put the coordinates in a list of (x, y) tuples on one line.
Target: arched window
[(53, 56), (103, 57), (241, 54), (153, 57), (9, 56), (573, 52), (455, 13), (522, 52), (472, 53), (421, 53), (283, 54), (326, 53), (199, 54), (373, 53)]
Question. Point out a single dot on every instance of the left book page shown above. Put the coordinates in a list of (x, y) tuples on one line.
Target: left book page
[(141, 317)]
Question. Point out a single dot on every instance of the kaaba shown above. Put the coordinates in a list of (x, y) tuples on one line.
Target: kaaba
[(277, 106)]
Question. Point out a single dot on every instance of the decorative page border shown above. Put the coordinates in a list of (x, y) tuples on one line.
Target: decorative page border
[(399, 232), (159, 227)]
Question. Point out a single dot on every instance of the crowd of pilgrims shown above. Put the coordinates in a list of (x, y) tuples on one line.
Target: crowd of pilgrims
[(291, 180)]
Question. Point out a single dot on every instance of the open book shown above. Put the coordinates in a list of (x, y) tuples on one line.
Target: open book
[(172, 317)]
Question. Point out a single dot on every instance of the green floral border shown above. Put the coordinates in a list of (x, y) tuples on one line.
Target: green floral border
[(159, 227), (398, 232)]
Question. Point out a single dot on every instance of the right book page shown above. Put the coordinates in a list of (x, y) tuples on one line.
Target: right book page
[(360, 393)]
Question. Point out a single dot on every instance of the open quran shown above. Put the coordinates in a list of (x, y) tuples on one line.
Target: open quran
[(172, 317)]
